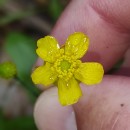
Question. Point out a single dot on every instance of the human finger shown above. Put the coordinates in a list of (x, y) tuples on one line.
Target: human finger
[(106, 106), (50, 115), (109, 40)]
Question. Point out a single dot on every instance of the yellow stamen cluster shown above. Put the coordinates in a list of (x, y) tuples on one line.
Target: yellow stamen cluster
[(65, 66)]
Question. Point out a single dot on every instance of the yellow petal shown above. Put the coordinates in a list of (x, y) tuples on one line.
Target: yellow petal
[(44, 75), (77, 44), (89, 73), (69, 92), (47, 48)]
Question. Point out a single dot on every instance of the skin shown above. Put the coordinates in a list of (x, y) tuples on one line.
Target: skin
[(105, 106)]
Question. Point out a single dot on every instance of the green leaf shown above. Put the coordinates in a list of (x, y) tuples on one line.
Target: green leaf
[(21, 49)]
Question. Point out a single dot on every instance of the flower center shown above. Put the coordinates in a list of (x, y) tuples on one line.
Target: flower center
[(65, 65)]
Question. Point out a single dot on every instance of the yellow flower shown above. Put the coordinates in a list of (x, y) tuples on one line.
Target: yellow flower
[(62, 66)]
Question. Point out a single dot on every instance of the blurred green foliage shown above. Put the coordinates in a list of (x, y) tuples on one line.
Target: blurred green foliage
[(15, 16), (2, 2), (19, 123), (21, 49), (55, 8)]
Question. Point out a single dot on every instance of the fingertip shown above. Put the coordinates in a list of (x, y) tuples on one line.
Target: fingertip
[(50, 115)]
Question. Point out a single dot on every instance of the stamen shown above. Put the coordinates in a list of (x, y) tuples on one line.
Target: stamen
[(65, 66)]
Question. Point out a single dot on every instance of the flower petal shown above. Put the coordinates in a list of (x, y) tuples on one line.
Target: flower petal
[(89, 73), (76, 44), (44, 75), (69, 92), (47, 48)]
